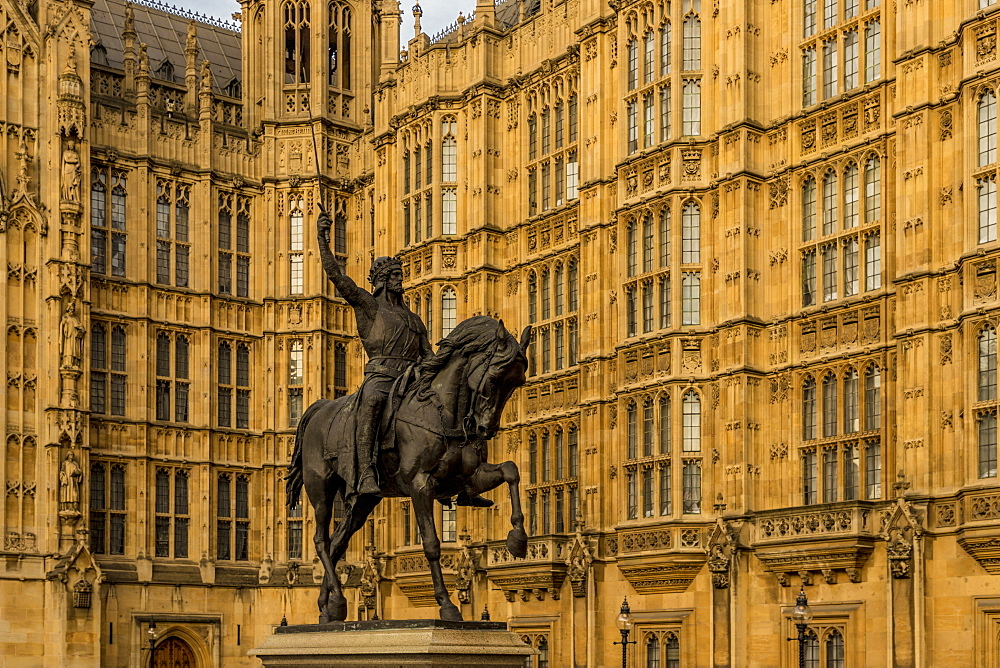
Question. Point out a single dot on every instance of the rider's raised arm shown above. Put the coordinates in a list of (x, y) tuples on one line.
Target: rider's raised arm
[(356, 296)]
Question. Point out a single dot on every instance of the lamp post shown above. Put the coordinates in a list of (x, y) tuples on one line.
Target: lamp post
[(802, 615), (151, 632), (624, 623)]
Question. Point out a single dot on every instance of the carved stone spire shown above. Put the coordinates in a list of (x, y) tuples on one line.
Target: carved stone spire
[(128, 33), (191, 68), (128, 56), (417, 13)]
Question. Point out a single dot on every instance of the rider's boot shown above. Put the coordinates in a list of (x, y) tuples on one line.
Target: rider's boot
[(467, 498), (369, 485)]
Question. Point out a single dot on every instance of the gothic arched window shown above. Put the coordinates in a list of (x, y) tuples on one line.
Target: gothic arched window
[(647, 242), (652, 652), (633, 430), (632, 248), (830, 405), (808, 409), (691, 422), (829, 202), (665, 38), (559, 283), (633, 63), (449, 150), (546, 290), (851, 407), (873, 190), (648, 57), (673, 651), (664, 238), (225, 379), (851, 196), (340, 45), (532, 298), (809, 209), (647, 427), (987, 112), (691, 233), (448, 311), (834, 650), (664, 425), (573, 282), (692, 43), (296, 26), (987, 364)]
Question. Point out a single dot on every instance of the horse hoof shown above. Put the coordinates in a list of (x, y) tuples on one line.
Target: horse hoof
[(335, 611), (517, 543), (450, 613)]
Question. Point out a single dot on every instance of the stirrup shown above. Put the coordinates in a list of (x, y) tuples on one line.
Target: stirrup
[(368, 484)]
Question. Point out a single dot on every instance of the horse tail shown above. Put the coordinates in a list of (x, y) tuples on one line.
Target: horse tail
[(294, 481)]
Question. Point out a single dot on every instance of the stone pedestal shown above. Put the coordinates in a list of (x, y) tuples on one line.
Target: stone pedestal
[(419, 642)]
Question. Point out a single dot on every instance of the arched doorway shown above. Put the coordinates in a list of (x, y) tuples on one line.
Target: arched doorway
[(174, 653)]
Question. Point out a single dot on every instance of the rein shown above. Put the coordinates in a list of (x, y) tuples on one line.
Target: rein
[(466, 423)]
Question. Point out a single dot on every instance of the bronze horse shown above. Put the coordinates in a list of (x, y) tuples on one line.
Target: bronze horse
[(433, 448)]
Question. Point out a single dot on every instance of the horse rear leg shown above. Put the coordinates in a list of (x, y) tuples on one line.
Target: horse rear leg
[(422, 493), (355, 515), (489, 476), (323, 507)]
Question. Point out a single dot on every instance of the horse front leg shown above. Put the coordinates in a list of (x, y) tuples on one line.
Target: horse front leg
[(422, 494), (517, 537), (489, 476)]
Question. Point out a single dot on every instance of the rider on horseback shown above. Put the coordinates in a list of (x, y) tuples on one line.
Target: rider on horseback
[(395, 340)]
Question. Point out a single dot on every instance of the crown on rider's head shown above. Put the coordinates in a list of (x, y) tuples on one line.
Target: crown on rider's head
[(382, 267)]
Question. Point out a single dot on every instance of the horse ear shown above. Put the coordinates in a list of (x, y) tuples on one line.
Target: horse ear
[(501, 331), (526, 338)]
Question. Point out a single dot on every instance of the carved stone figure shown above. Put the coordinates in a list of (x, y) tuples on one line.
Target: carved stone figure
[(465, 570), (718, 565), (70, 172), (72, 333), (371, 575), (417, 427), (70, 478), (899, 549), (578, 561)]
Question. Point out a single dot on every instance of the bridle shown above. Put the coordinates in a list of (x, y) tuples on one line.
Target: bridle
[(469, 421)]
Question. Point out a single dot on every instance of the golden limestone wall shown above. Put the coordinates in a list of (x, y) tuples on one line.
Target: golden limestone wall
[(756, 240)]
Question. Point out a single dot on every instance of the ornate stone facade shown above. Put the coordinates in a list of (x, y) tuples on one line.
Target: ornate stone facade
[(756, 244)]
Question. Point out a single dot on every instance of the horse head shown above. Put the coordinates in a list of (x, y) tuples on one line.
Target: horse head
[(493, 378)]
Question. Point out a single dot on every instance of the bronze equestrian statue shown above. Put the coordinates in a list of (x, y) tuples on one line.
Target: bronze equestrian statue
[(417, 427)]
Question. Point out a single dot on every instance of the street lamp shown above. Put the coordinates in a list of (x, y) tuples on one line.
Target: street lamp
[(624, 623), (151, 632), (802, 615)]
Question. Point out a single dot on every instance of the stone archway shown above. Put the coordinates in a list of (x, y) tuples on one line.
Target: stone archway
[(174, 652)]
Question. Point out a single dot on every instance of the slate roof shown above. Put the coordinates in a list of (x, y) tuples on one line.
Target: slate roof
[(164, 31)]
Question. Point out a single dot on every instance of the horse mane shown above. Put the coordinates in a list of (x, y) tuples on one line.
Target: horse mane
[(470, 337)]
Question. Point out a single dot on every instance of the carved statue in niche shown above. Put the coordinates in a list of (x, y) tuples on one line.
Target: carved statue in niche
[(578, 562), (72, 332), (371, 575), (718, 565), (70, 478), (465, 569), (70, 172), (900, 552)]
